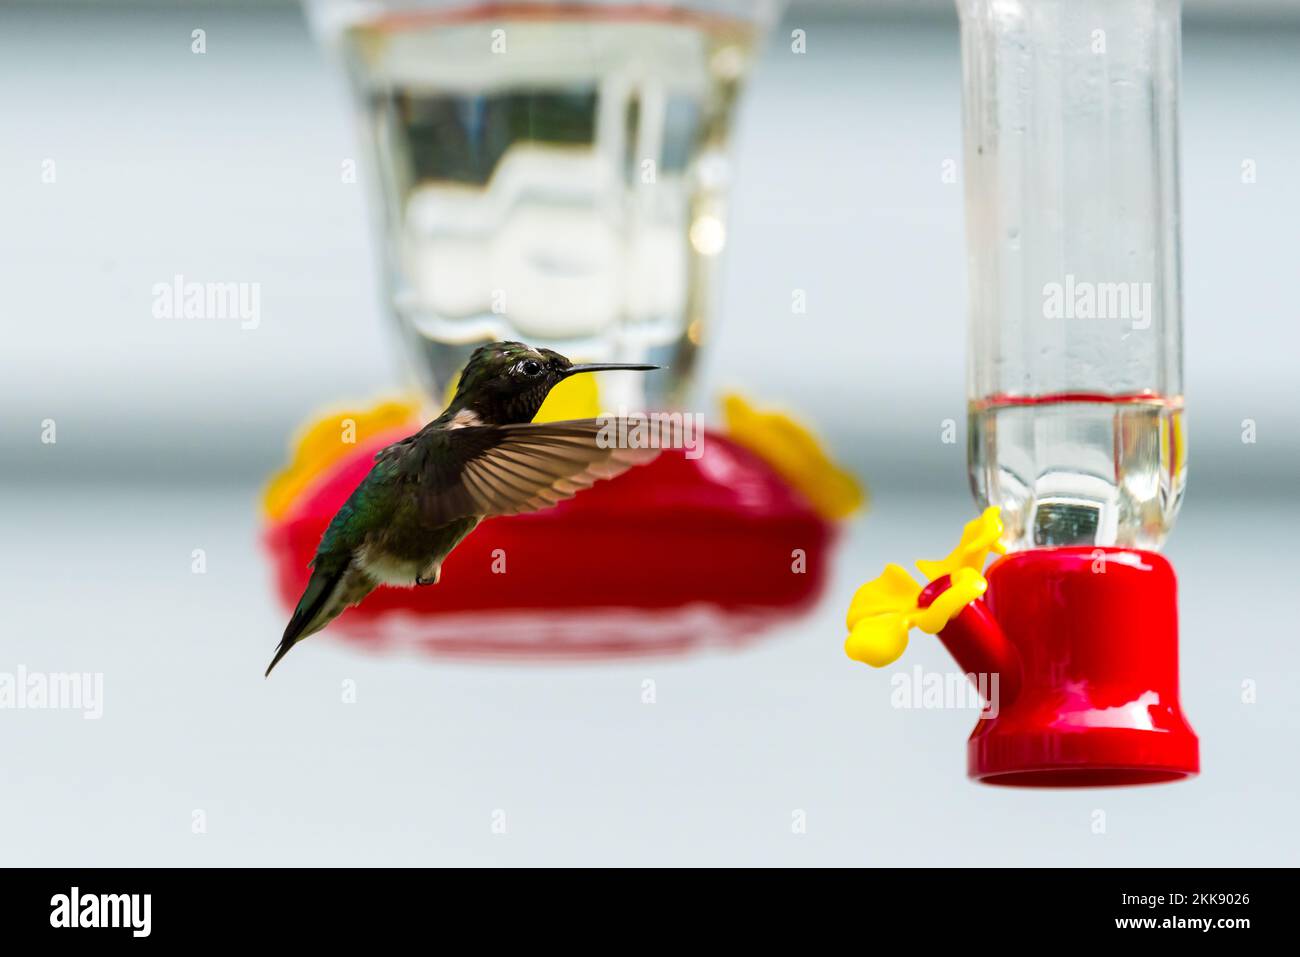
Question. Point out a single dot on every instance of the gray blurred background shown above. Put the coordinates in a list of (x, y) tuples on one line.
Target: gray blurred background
[(226, 167)]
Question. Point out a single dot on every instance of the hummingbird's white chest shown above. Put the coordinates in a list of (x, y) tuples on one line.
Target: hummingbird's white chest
[(385, 568)]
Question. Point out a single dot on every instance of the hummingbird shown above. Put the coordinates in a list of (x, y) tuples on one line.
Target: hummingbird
[(482, 457)]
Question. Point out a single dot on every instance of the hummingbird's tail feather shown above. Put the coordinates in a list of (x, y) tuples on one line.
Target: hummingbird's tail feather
[(332, 588)]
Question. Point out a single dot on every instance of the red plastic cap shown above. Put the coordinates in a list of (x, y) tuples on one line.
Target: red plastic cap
[(1096, 633)]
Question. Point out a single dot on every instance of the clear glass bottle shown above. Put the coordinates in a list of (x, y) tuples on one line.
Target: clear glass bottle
[(1072, 208), (551, 172)]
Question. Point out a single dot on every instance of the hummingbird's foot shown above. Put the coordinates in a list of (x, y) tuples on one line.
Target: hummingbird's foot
[(425, 578)]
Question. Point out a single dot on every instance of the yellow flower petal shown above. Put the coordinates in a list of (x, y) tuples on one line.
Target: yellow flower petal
[(328, 438), (878, 640), (967, 585), (980, 536), (794, 452), (894, 591), (885, 608)]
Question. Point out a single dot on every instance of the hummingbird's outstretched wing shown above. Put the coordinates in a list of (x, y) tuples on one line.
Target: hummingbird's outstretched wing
[(426, 492), (490, 470)]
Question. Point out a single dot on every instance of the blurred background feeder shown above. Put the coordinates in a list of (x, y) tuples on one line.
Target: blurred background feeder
[(682, 552), (556, 174)]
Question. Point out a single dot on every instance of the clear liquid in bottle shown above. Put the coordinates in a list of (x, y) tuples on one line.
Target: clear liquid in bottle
[(568, 193), (1080, 469)]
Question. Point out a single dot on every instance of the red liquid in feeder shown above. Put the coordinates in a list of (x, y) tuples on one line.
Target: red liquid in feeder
[(1080, 468)]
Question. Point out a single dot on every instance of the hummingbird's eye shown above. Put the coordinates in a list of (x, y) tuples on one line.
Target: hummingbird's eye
[(531, 367)]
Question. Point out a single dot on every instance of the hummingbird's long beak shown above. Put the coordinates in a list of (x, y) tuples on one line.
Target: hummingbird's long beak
[(608, 367)]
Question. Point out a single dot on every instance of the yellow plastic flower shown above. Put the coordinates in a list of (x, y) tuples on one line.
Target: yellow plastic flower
[(979, 537), (796, 455), (885, 609), (879, 640), (328, 438)]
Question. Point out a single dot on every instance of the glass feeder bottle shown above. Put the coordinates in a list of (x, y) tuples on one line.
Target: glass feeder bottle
[(1072, 211)]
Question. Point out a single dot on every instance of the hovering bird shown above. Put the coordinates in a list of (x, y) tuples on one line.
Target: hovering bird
[(483, 457)]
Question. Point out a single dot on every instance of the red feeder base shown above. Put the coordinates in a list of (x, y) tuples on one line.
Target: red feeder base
[(668, 556), (1091, 638)]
